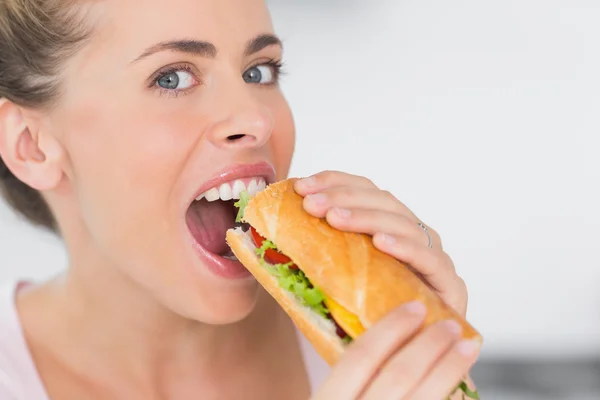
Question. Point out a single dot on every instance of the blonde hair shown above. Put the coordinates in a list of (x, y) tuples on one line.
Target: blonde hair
[(36, 37)]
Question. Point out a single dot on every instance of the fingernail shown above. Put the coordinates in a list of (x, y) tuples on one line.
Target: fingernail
[(416, 307), (342, 212), (317, 199), (453, 327), (308, 182), (468, 347), (386, 239)]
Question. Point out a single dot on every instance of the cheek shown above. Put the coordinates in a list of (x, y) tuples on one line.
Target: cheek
[(125, 163), (283, 139)]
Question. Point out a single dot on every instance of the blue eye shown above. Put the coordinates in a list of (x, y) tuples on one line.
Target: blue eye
[(176, 80), (264, 74)]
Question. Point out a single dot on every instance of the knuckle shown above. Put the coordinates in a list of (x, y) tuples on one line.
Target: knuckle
[(402, 376), (363, 218), (401, 317), (465, 301), (343, 194), (367, 181), (438, 335), (446, 262), (437, 266), (437, 239), (360, 350), (462, 287), (320, 177), (389, 195), (461, 363), (410, 249), (327, 176), (408, 224), (434, 234)]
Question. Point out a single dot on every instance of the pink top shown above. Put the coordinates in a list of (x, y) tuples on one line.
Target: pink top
[(19, 379)]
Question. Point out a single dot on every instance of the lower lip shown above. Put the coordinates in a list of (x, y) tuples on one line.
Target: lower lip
[(220, 266)]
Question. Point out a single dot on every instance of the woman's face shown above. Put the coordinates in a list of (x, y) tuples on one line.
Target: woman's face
[(168, 100)]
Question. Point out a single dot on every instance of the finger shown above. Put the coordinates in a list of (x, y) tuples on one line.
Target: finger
[(407, 368), (434, 265), (375, 221), (448, 373), (329, 179), (349, 197), (364, 357)]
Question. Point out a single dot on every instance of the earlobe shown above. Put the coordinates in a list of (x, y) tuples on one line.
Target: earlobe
[(30, 156)]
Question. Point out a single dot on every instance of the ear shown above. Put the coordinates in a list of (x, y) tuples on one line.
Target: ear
[(32, 157)]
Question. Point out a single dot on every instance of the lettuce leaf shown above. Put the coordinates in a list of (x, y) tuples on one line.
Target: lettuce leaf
[(294, 281), (466, 392), (470, 393), (241, 205)]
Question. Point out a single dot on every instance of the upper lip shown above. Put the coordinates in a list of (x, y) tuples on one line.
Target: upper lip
[(238, 171)]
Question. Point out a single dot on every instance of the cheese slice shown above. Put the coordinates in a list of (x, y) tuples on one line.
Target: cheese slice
[(345, 319)]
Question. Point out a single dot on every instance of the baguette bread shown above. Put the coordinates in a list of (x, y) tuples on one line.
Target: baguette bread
[(319, 331), (345, 266)]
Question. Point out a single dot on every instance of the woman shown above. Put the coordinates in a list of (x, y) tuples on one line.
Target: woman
[(113, 119)]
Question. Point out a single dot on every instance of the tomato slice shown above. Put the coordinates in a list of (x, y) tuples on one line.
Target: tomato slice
[(272, 256), (338, 329)]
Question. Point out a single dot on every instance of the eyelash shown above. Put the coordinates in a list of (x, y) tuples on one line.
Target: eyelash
[(169, 70), (276, 65)]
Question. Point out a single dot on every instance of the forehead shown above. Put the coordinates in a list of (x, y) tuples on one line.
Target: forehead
[(128, 26)]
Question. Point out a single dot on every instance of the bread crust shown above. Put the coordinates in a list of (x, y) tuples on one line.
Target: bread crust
[(345, 266), (317, 330)]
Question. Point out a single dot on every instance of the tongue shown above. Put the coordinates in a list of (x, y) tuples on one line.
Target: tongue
[(208, 222)]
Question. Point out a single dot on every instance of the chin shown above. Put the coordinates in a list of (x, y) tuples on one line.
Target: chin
[(229, 308), (203, 300)]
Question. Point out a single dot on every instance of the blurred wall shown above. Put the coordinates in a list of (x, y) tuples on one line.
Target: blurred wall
[(483, 117)]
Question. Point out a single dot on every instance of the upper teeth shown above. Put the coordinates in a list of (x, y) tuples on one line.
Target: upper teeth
[(231, 190)]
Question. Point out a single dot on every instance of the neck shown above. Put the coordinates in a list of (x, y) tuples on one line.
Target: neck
[(98, 321)]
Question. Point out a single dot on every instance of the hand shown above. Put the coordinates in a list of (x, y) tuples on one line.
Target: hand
[(428, 366), (354, 204)]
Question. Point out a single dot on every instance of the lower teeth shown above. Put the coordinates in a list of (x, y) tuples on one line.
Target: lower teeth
[(229, 256)]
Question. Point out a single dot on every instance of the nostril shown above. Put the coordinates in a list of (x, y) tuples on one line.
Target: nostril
[(241, 139), (233, 138)]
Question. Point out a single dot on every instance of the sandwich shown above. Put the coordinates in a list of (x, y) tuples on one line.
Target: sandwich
[(334, 285)]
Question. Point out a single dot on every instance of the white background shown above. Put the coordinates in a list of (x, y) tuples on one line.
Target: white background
[(482, 116)]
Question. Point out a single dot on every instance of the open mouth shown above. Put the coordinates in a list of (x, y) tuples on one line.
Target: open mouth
[(210, 216)]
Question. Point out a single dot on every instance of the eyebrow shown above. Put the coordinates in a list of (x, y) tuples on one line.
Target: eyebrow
[(195, 47), (207, 49), (260, 42)]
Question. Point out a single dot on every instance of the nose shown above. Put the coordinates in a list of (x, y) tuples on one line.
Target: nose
[(246, 124)]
